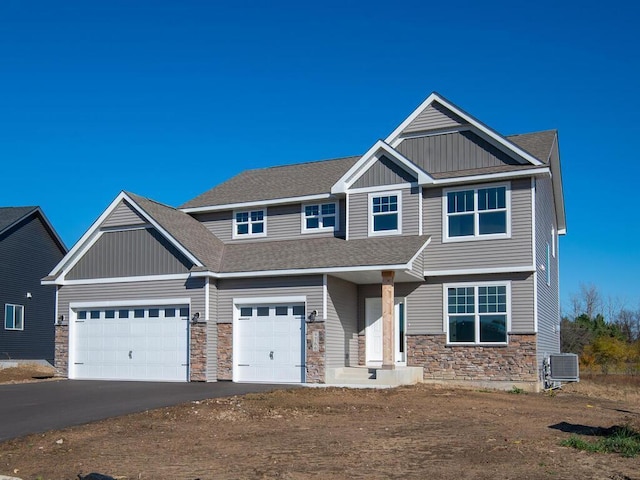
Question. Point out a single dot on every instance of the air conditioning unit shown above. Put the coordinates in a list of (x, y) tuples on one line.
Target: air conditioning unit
[(563, 367)]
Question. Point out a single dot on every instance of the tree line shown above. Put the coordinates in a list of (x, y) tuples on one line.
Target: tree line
[(605, 333)]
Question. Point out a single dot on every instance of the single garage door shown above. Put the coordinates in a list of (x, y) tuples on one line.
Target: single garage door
[(268, 344), (137, 343)]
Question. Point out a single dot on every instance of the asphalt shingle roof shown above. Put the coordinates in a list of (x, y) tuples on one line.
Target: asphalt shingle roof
[(537, 144), (10, 215)]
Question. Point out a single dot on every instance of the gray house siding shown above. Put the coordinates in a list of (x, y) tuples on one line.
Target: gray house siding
[(452, 152), (341, 327), (123, 215), (128, 253), (212, 333), (473, 254), (218, 223), (433, 117), (359, 212), (384, 172), (228, 289), (548, 295), (28, 253)]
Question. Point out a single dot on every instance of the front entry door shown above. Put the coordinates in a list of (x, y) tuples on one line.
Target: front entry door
[(373, 332)]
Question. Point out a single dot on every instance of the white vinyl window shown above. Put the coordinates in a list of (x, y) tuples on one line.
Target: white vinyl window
[(13, 317), (320, 217), (250, 223), (476, 213), (477, 314), (385, 213)]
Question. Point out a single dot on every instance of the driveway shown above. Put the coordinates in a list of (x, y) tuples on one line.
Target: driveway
[(27, 408)]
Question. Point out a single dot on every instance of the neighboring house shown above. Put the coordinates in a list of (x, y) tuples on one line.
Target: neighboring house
[(434, 253), (29, 249)]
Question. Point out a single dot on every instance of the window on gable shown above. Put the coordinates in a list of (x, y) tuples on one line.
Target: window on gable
[(476, 314), (384, 213), (249, 223), (319, 217), (477, 212), (13, 317)]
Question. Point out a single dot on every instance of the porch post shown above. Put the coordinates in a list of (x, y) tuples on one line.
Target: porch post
[(388, 362)]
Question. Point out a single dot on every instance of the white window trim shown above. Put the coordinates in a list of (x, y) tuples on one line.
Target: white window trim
[(387, 193), (303, 216), (476, 236), (553, 242), (236, 235), (548, 265), (445, 307), (14, 316)]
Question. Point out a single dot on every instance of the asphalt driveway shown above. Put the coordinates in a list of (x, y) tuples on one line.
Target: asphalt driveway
[(27, 408)]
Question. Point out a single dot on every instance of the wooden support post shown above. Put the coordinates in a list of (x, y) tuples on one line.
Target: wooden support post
[(388, 348)]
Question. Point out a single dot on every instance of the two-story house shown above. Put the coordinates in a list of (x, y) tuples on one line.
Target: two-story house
[(433, 256)]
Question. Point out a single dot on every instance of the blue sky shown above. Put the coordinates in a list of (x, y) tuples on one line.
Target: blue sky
[(168, 99)]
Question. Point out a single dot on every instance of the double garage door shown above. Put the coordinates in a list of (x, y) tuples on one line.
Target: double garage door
[(138, 343), (268, 343)]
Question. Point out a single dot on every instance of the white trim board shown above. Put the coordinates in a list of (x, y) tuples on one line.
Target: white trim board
[(132, 303), (257, 203)]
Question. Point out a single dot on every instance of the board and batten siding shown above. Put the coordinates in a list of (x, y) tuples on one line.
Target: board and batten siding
[(359, 212), (384, 172), (476, 254), (435, 116), (269, 287), (452, 152), (341, 326), (548, 295), (127, 253), (282, 222), (123, 215)]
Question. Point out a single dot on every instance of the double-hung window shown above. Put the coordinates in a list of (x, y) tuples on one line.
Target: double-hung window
[(475, 213), (13, 317), (385, 212), (477, 314), (319, 217), (249, 224)]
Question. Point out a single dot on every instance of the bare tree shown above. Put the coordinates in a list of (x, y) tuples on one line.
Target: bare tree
[(588, 301)]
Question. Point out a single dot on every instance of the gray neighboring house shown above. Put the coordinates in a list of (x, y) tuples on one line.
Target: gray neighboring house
[(432, 257), (29, 249)]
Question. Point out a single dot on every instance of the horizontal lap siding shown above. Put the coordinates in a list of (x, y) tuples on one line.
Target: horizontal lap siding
[(410, 291), (129, 253), (218, 223), (228, 289), (123, 215), (212, 333), (433, 117), (514, 251), (341, 327)]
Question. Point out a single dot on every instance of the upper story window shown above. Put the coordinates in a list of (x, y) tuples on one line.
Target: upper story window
[(477, 314), (319, 217), (476, 213), (13, 317), (250, 223), (385, 213)]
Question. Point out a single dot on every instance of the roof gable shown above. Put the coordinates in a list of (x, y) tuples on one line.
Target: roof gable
[(12, 216)]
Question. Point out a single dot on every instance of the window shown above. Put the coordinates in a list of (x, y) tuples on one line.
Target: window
[(477, 212), (319, 217), (298, 310), (138, 313), (250, 223), (246, 311), (262, 311), (123, 313), (385, 213), (110, 314), (82, 315), (476, 314), (282, 310), (553, 242), (13, 317)]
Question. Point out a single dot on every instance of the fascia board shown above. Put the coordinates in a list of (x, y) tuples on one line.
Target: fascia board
[(300, 271), (257, 203), (362, 165), (492, 134), (558, 191)]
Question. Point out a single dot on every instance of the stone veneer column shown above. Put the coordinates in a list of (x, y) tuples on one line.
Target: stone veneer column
[(61, 354), (388, 362), (225, 351), (198, 352), (315, 344)]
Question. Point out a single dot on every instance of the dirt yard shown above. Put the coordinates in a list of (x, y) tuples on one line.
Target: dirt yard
[(421, 431)]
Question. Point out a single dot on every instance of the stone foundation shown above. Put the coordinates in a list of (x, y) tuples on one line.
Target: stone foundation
[(515, 362), (198, 352), (225, 351), (61, 354), (315, 352)]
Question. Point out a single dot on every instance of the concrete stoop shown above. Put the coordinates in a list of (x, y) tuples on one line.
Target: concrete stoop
[(373, 376)]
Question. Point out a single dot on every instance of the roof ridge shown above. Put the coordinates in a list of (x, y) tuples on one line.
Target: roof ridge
[(555, 130)]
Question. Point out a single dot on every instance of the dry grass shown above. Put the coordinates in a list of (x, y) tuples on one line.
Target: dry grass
[(616, 387), (25, 373)]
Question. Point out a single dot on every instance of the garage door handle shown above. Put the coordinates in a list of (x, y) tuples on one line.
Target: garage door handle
[(271, 355), (130, 353)]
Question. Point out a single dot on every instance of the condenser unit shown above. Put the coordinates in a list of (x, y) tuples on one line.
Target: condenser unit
[(563, 367)]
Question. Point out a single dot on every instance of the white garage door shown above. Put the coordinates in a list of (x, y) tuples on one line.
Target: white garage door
[(268, 344), (138, 343)]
